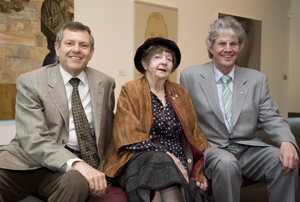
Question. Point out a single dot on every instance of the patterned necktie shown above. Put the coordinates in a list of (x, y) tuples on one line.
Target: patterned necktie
[(227, 100), (88, 150)]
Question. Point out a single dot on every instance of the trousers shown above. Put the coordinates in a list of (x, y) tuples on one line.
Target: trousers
[(225, 169), (56, 186)]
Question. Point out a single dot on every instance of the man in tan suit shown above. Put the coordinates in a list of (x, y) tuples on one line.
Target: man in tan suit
[(44, 157)]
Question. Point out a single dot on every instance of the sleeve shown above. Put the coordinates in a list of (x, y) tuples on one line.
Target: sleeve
[(183, 81), (32, 129), (128, 128), (110, 116), (270, 120)]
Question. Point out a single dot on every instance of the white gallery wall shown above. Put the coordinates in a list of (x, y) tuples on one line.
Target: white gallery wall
[(112, 25)]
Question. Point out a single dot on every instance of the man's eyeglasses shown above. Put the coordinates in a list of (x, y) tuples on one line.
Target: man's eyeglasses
[(232, 45)]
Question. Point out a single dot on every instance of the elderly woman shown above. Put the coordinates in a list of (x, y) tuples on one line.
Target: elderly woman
[(156, 152)]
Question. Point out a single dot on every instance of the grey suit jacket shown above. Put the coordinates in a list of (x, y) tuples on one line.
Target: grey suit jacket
[(252, 105), (42, 120)]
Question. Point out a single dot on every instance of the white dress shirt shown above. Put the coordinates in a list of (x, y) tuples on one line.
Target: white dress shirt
[(219, 83)]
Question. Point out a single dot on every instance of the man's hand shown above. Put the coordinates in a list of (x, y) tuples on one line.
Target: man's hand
[(288, 157), (180, 166), (202, 185), (96, 179)]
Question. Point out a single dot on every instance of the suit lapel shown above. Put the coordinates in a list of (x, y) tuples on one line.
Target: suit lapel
[(208, 85), (240, 90), (97, 95), (57, 91)]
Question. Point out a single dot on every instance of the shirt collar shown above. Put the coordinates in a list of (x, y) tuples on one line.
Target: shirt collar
[(66, 76), (219, 74)]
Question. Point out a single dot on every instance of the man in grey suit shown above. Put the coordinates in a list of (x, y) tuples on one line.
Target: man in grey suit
[(229, 123), (44, 157)]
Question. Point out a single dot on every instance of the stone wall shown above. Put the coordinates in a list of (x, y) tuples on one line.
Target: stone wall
[(23, 46)]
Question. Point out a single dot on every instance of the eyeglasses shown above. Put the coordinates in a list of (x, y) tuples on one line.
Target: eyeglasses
[(232, 45)]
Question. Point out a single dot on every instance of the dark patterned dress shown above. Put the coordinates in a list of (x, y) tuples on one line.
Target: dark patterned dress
[(166, 129)]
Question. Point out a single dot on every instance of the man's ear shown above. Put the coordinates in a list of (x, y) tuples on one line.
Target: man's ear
[(208, 47), (56, 46), (92, 53), (241, 46)]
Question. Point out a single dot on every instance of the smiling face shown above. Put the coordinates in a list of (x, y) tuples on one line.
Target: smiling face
[(225, 52), (75, 51), (160, 66)]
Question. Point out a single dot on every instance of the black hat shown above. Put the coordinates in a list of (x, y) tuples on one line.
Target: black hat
[(155, 41)]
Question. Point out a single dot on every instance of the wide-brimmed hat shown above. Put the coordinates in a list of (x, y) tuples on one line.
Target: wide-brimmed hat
[(155, 41)]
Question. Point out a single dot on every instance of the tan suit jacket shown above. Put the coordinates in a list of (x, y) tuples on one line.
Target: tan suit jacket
[(42, 120)]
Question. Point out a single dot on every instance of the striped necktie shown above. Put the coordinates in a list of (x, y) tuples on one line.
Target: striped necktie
[(227, 100)]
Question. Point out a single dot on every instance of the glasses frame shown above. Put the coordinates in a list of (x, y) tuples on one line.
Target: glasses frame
[(232, 45)]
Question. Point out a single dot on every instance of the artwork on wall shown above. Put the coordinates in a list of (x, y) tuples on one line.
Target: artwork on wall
[(54, 14), (24, 42), (7, 5), (250, 54), (153, 20)]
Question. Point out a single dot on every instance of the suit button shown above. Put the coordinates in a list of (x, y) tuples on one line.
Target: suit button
[(189, 160), (64, 141)]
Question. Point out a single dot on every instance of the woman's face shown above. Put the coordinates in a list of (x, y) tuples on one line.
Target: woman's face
[(160, 66)]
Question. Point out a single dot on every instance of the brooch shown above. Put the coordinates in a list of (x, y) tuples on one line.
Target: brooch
[(173, 96)]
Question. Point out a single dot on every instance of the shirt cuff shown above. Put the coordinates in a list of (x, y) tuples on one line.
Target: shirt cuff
[(70, 162)]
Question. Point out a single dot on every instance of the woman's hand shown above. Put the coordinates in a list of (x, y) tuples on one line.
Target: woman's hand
[(180, 166), (202, 185)]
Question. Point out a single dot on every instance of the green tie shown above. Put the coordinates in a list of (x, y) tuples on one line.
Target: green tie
[(227, 100), (88, 150)]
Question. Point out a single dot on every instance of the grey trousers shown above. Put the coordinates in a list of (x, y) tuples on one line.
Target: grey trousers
[(226, 167), (17, 185)]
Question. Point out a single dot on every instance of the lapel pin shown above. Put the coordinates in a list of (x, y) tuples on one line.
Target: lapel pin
[(242, 92), (173, 96)]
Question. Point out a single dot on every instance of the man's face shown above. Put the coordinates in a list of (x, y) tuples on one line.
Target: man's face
[(225, 52), (75, 51)]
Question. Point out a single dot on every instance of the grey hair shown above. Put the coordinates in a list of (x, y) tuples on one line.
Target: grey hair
[(226, 25), (74, 26)]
